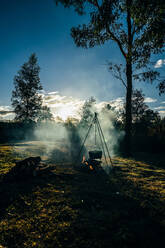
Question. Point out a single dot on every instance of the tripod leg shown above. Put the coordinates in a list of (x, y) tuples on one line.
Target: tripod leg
[(102, 144), (84, 141), (105, 142)]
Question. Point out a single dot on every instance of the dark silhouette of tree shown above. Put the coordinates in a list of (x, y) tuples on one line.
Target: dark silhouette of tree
[(140, 110), (150, 117), (138, 106), (87, 112), (45, 114), (161, 87), (134, 26), (26, 100)]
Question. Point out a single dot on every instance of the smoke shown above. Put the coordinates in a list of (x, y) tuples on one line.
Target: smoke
[(110, 133), (54, 137), (63, 140)]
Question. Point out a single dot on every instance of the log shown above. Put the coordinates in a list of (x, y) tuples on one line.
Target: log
[(24, 169)]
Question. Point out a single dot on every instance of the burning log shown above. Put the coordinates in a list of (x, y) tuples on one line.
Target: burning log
[(91, 164)]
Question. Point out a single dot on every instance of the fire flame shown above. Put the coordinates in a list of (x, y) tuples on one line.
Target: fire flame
[(83, 160), (87, 163)]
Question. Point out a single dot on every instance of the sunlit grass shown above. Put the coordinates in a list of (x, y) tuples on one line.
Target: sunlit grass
[(147, 177), (6, 158), (143, 183)]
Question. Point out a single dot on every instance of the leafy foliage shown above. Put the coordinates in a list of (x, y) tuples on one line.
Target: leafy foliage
[(140, 110), (26, 101), (45, 114), (134, 26), (87, 112), (161, 87)]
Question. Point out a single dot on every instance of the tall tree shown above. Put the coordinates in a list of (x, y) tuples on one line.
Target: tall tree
[(134, 25), (26, 101)]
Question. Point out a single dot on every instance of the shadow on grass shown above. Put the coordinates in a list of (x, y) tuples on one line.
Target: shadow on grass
[(11, 188), (153, 159), (70, 208), (59, 156)]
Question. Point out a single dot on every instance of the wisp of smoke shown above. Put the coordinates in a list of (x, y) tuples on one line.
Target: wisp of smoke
[(64, 140), (61, 140)]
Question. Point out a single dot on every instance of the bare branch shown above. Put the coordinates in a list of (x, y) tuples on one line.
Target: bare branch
[(117, 41), (116, 70)]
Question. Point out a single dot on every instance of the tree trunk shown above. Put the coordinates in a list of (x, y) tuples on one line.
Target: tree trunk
[(128, 123)]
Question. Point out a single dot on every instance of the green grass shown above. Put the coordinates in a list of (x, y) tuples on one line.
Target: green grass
[(6, 158), (70, 208)]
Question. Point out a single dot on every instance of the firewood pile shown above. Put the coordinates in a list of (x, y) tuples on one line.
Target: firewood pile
[(29, 167)]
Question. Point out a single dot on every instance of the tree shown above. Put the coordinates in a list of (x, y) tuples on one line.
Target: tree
[(134, 25), (87, 112), (138, 106), (45, 114), (140, 110), (142, 116), (150, 117), (161, 87), (26, 101)]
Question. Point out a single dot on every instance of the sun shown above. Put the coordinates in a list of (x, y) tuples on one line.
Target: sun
[(63, 107), (66, 112)]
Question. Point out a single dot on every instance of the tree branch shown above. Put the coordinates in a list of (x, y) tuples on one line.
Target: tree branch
[(95, 3), (117, 41)]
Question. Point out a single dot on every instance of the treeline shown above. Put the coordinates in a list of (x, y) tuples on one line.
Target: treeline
[(16, 131), (146, 136), (148, 128)]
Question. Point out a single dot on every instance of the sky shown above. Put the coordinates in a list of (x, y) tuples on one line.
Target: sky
[(40, 26)]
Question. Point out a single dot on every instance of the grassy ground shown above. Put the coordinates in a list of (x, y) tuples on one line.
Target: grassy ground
[(71, 208)]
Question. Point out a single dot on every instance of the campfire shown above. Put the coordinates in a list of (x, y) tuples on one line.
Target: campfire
[(94, 162)]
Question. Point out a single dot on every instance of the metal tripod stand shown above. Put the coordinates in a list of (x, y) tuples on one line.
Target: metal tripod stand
[(104, 146)]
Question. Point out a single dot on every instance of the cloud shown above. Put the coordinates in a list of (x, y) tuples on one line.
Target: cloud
[(159, 63), (160, 107), (6, 113), (149, 100), (5, 108), (163, 102), (63, 107), (117, 103), (162, 113)]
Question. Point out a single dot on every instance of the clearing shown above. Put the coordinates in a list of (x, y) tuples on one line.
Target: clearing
[(71, 208)]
